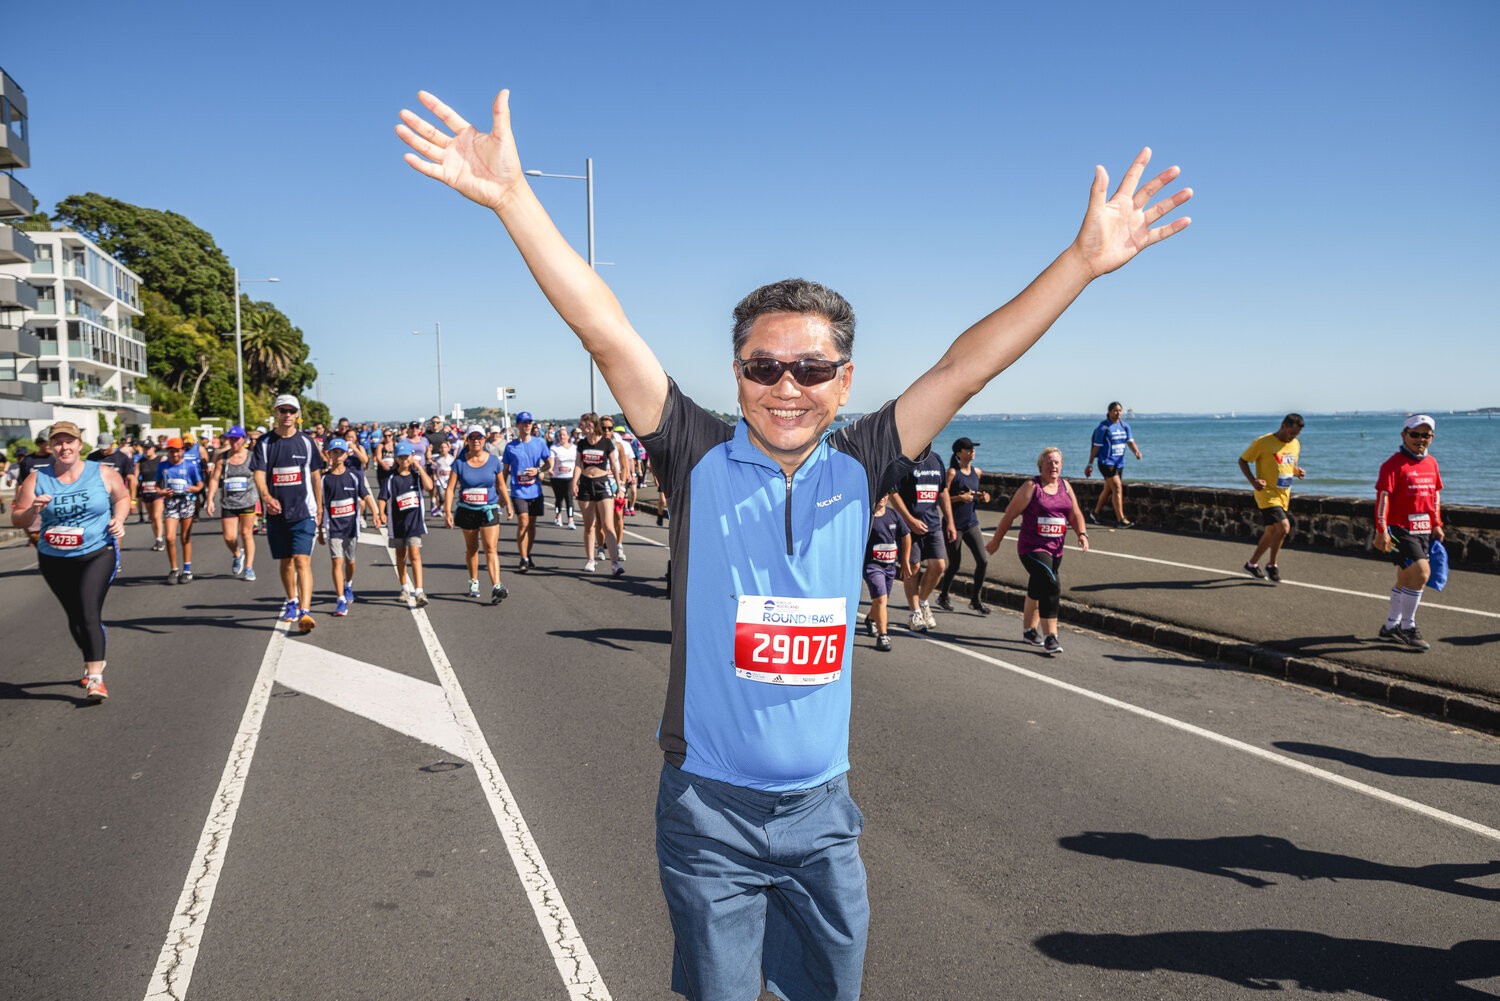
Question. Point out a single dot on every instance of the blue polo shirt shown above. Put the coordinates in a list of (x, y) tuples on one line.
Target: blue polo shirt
[(520, 455), (1111, 439)]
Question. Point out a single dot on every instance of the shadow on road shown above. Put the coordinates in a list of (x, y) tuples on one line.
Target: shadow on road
[(617, 639), (1201, 584), (1236, 857), (1417, 768), (23, 690), (1471, 640), (1263, 959)]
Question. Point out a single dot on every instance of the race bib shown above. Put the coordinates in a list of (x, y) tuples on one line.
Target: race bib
[(884, 552), (177, 485), (789, 641), (1419, 524), (592, 457), (286, 476), (342, 508), (1283, 481), (927, 494), (236, 484), (64, 537), (1052, 528), (408, 500), (1117, 450), (525, 479), (475, 495)]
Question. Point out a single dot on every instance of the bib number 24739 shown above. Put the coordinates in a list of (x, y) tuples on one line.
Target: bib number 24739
[(789, 641)]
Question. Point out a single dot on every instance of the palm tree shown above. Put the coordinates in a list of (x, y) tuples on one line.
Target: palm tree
[(271, 345)]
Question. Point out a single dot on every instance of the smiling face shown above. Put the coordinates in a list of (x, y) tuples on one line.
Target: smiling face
[(786, 420), (1417, 439)]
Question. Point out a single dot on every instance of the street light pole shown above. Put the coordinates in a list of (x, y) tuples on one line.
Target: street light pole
[(239, 344), (587, 177), (437, 329)]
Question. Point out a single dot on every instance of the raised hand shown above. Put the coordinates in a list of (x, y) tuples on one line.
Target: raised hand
[(1117, 229), (481, 166)]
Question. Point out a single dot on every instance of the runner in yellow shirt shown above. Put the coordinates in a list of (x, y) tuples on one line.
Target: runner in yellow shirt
[(1275, 456)]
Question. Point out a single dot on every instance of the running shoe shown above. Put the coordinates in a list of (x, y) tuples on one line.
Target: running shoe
[(1412, 637), (571, 526), (158, 545), (172, 575), (1033, 637), (94, 689), (557, 521), (187, 575), (883, 643), (1273, 573), (1118, 524), (945, 603), (616, 570), (237, 566), (473, 588), (1092, 517), (979, 607), (421, 599), (590, 566), (621, 550), (521, 567), (870, 628), (290, 613), (341, 609), (600, 554), (928, 617), (917, 622), (305, 623), (630, 512), (1255, 571), (1051, 647), (499, 593), (1390, 632), (530, 565), (249, 574), (349, 593), (659, 517)]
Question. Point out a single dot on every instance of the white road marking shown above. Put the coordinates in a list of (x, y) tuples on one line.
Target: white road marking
[(1238, 745), (416, 708), (174, 965), (1285, 583), (650, 542), (580, 975)]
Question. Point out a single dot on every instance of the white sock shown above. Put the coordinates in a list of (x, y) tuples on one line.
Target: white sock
[(1393, 613), (1409, 601)]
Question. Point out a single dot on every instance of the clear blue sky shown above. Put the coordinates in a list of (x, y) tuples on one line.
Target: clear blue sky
[(925, 160)]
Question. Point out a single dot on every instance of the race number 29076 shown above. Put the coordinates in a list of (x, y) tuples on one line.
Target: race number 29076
[(789, 641)]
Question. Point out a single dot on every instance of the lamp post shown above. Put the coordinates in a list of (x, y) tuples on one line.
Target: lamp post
[(239, 344), (587, 177), (437, 330)]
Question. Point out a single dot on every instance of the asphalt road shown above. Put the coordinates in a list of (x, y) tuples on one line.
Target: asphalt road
[(1118, 822)]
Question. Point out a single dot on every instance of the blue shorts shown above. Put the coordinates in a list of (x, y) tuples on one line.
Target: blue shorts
[(878, 578), (290, 538), (931, 546), (762, 882)]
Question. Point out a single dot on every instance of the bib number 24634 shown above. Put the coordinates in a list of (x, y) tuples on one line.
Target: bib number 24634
[(789, 641)]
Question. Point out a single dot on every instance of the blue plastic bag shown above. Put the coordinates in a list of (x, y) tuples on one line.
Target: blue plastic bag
[(1437, 561)]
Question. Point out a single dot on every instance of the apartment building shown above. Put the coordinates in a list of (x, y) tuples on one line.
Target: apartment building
[(22, 409), (89, 354)]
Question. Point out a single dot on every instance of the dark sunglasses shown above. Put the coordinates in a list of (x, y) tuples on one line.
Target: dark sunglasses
[(286, 410), (1414, 434), (805, 371)]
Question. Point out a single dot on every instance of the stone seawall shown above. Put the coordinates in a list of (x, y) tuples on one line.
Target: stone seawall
[(1335, 523)]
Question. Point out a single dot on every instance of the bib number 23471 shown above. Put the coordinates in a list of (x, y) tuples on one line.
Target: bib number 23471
[(789, 641)]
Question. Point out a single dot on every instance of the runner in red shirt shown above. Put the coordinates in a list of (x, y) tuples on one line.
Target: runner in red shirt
[(1408, 516)]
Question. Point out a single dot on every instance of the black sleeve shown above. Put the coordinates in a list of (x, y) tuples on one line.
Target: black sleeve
[(874, 441), (685, 435)]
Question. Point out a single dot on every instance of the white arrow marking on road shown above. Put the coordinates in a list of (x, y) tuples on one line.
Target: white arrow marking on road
[(416, 708)]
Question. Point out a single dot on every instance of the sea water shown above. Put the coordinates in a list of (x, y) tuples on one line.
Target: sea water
[(1341, 452)]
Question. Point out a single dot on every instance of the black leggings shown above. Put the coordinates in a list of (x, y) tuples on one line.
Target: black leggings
[(974, 539), (80, 583), (562, 496), (1044, 585)]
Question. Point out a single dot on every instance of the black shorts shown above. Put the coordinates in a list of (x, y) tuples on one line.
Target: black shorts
[(532, 507), (1408, 547), (595, 488), (1271, 515), (932, 546), (1110, 472), (234, 512), (472, 519)]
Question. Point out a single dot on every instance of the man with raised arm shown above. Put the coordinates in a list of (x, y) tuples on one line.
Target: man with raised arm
[(757, 838)]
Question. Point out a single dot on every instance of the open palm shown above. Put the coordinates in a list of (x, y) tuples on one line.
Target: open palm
[(481, 166), (1116, 229)]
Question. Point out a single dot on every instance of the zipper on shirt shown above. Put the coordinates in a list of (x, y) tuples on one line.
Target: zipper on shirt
[(788, 512)]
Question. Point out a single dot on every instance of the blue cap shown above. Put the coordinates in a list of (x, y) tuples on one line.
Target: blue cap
[(404, 447), (524, 417), (340, 445), (235, 432)]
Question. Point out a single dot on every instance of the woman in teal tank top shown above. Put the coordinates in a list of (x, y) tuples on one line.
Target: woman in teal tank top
[(79, 510)]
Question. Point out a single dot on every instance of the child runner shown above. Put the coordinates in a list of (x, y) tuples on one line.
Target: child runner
[(179, 480), (401, 508), (343, 491), (887, 553)]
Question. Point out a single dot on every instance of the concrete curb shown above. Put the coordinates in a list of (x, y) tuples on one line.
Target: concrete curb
[(1467, 709)]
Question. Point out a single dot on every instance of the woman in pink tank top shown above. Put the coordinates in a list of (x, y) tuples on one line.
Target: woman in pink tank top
[(1046, 507)]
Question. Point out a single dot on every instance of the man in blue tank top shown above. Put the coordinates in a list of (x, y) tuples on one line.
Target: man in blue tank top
[(757, 837)]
